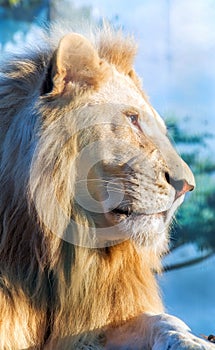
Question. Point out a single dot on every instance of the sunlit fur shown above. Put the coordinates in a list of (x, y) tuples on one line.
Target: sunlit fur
[(48, 287)]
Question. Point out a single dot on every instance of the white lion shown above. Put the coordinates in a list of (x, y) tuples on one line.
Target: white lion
[(89, 183)]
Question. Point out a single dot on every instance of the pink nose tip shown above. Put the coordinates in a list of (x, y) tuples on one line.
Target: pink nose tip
[(185, 188), (180, 186)]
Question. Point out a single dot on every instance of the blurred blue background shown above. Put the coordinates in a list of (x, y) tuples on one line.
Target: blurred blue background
[(176, 61)]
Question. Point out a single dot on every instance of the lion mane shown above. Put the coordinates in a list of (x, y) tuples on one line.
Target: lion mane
[(55, 294)]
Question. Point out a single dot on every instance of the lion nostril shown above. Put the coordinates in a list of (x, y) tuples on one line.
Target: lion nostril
[(167, 177)]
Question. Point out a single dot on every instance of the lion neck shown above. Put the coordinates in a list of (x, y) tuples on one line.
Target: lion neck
[(107, 287)]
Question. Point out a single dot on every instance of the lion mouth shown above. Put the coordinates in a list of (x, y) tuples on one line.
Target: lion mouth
[(124, 213), (127, 213)]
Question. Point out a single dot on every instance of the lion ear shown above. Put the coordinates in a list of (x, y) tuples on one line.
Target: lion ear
[(76, 64)]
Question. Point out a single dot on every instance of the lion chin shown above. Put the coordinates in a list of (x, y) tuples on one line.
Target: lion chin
[(89, 184)]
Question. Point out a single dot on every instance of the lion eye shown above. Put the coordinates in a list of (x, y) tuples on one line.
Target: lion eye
[(133, 118)]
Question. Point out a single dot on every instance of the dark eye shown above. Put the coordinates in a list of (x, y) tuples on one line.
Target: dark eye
[(133, 118)]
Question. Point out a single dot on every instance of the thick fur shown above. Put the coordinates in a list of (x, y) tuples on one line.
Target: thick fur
[(55, 294)]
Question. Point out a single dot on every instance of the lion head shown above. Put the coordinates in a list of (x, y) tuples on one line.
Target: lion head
[(124, 179), (89, 184)]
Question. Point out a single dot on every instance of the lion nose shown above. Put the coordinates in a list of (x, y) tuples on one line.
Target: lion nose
[(180, 186)]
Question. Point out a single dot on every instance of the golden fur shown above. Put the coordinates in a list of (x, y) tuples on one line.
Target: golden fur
[(55, 294)]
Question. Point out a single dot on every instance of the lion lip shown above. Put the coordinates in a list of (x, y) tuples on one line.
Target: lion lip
[(127, 213), (122, 212)]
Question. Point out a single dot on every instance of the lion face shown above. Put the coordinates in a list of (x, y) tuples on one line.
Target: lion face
[(134, 178), (127, 178)]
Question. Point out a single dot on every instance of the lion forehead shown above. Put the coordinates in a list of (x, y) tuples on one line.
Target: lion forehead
[(119, 89)]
